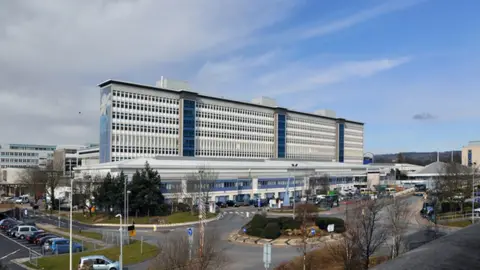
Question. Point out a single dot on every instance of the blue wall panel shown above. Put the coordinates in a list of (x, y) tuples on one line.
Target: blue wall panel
[(469, 157), (341, 142), (188, 128), (281, 135), (105, 125)]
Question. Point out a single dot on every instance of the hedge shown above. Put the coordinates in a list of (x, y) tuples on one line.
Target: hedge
[(323, 222), (271, 231)]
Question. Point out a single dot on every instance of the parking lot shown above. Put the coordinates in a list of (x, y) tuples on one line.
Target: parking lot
[(35, 249)]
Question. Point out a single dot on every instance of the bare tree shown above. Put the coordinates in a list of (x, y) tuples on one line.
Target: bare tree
[(34, 180), (319, 184), (346, 250), (371, 233), (398, 216), (453, 184), (53, 175), (173, 255), (306, 214), (199, 186), (84, 190)]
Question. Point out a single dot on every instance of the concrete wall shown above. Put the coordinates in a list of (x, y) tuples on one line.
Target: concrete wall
[(475, 148)]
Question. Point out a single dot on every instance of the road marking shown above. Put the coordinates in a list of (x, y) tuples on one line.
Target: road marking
[(22, 245), (2, 258)]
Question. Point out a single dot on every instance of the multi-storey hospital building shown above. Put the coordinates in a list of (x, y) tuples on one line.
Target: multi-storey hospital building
[(147, 121)]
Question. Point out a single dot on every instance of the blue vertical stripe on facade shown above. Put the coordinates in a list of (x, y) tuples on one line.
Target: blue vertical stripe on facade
[(341, 142), (105, 125), (470, 157), (188, 128), (281, 135)]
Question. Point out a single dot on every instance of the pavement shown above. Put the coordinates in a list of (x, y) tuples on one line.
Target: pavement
[(10, 250)]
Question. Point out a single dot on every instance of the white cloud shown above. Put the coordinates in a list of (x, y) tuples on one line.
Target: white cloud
[(278, 76), (51, 49)]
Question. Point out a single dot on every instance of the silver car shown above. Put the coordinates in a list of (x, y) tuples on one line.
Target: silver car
[(23, 231)]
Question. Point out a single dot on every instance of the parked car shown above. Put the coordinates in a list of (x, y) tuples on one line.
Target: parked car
[(5, 222), (30, 238), (41, 241), (221, 204), (47, 246), (25, 230), (33, 238), (241, 203), (61, 245), (230, 203), (99, 262)]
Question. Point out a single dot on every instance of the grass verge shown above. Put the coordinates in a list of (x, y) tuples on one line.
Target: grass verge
[(458, 223), (131, 254), (92, 235), (87, 246), (96, 218), (183, 217)]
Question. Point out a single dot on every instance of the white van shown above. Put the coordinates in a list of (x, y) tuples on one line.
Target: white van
[(22, 199)]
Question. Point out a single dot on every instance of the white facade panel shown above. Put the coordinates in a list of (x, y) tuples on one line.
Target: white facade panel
[(145, 123), (230, 130), (310, 137), (353, 143)]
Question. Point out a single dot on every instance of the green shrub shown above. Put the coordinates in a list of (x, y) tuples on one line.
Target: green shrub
[(258, 221), (323, 222), (289, 223), (257, 232), (271, 231)]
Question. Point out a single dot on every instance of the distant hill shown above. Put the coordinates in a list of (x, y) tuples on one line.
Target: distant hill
[(419, 158)]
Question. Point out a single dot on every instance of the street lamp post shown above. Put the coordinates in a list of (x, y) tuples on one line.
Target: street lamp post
[(294, 166), (120, 259), (128, 198), (473, 192), (125, 201), (71, 232)]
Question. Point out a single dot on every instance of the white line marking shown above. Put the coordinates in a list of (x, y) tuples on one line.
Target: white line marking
[(9, 254), (22, 245)]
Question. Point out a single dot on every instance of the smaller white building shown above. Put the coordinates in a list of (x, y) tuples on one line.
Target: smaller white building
[(236, 178)]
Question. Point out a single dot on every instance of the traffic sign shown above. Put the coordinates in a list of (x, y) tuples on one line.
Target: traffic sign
[(331, 227), (244, 230), (190, 231), (312, 231), (26, 212)]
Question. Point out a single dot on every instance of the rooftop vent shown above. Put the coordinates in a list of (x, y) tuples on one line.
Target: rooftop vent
[(173, 84), (265, 101), (326, 113)]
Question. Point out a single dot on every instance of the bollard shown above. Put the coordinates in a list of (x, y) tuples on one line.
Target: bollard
[(154, 228)]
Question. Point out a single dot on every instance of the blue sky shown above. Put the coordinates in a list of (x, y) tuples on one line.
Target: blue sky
[(408, 69)]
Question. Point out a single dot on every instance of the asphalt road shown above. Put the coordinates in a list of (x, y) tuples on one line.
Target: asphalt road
[(10, 249)]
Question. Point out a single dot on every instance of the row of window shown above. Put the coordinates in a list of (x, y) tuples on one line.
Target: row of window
[(144, 108), (19, 154), (226, 109), (348, 139), (309, 142), (347, 132), (234, 136), (353, 127), (137, 96), (16, 160), (317, 121), (139, 128), (234, 118), (309, 135), (32, 147), (147, 118), (144, 150), (236, 128), (317, 157), (19, 166), (237, 154)]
